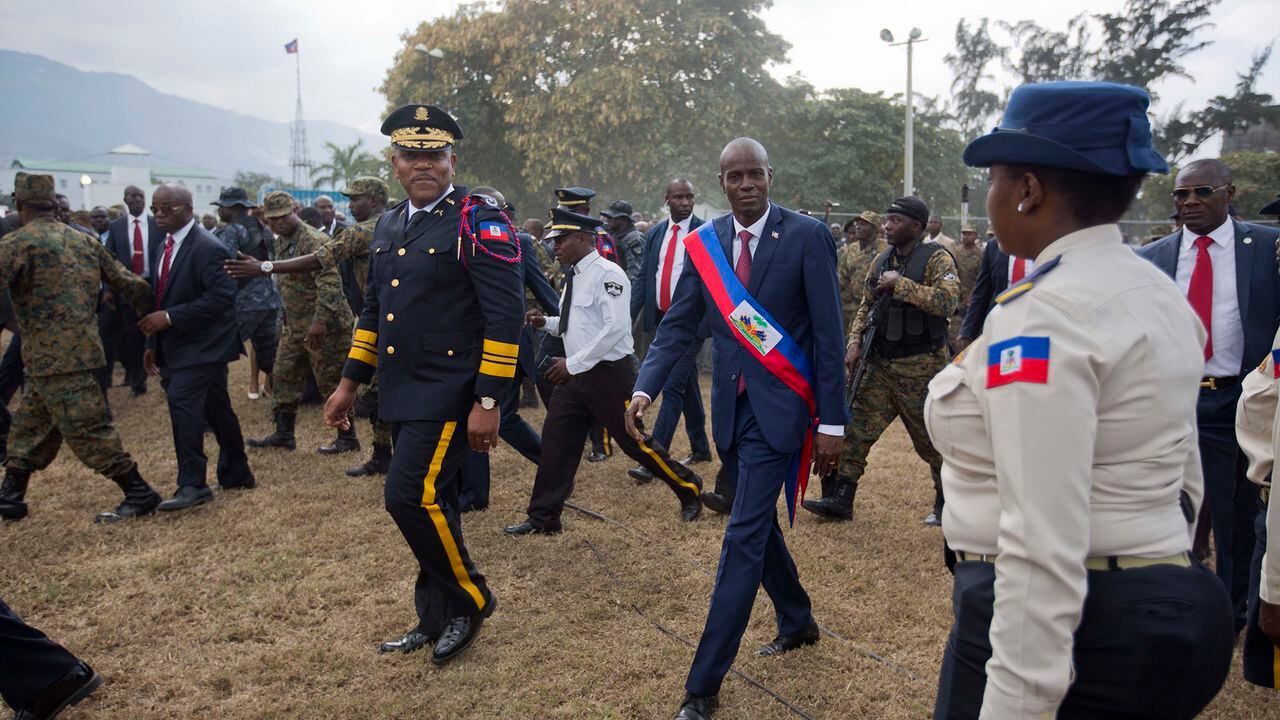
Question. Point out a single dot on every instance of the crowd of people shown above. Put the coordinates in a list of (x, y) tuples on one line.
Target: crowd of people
[(1088, 413)]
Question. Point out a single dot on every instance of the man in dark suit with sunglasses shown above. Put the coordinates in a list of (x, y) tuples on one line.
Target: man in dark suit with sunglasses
[(1227, 270)]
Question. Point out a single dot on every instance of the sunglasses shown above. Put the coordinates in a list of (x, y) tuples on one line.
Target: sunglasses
[(1202, 191)]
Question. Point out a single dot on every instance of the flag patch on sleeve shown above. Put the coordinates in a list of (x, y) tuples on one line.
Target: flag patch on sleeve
[(1275, 363), (493, 231), (1020, 359)]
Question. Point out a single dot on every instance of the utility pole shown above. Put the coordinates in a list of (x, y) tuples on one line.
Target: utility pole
[(908, 152), (299, 155)]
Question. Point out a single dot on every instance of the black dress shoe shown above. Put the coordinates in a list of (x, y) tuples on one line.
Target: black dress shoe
[(595, 457), (138, 391), (717, 503), (186, 497), (459, 632), (407, 643), (690, 508), (787, 643), (641, 475), (697, 707), (248, 483), (473, 507), (528, 528), (73, 687), (695, 458)]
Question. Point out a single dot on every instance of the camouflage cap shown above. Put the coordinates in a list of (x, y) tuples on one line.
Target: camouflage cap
[(866, 216), (367, 185), (277, 204), (28, 187), (969, 228)]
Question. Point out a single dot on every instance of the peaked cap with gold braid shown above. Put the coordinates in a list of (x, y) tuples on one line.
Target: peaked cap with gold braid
[(421, 127)]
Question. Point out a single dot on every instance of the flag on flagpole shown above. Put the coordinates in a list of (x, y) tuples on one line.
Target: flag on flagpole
[(291, 47)]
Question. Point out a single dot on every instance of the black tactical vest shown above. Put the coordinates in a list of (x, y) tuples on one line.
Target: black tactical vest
[(908, 330)]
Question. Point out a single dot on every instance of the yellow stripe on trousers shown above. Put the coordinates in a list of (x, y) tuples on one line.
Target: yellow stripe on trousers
[(437, 516), (666, 469)]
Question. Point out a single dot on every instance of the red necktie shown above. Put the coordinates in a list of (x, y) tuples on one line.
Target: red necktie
[(137, 247), (164, 269), (1200, 291), (668, 263), (743, 270), (1019, 270)]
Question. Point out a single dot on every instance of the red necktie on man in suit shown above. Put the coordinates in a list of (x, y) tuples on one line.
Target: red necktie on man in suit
[(743, 270), (1200, 291), (668, 264), (137, 247), (164, 269), (1019, 270)]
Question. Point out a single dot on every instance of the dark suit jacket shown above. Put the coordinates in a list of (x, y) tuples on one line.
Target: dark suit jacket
[(121, 239), (200, 298), (1257, 290), (644, 291), (993, 279), (793, 276)]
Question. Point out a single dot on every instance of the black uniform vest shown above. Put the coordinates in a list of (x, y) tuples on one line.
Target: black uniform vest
[(908, 330)]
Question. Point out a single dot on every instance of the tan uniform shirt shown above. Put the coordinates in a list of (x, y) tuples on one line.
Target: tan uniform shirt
[(1256, 431), (1082, 455)]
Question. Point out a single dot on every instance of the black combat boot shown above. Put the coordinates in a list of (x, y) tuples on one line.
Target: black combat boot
[(346, 441), (139, 499), (378, 463), (282, 437), (836, 503), (13, 493)]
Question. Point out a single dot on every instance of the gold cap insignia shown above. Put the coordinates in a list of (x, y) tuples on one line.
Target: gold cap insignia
[(420, 114)]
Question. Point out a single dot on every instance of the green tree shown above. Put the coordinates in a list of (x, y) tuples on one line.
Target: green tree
[(974, 105), (346, 163), (253, 182)]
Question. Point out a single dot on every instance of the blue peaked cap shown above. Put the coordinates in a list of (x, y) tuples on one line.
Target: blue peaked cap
[(1095, 127)]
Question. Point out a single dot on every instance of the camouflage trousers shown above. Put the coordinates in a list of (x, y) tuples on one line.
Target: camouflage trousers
[(367, 406), (892, 389), (70, 407), (294, 357)]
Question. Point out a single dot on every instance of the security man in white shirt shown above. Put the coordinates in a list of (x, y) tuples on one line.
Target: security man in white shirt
[(1068, 435), (594, 381)]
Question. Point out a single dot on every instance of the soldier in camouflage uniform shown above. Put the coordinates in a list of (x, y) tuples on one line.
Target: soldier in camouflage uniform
[(257, 299), (317, 322), (920, 279), (368, 200), (968, 256), (630, 241), (53, 274), (853, 262)]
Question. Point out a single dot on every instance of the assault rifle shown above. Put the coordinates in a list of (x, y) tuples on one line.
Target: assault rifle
[(868, 345)]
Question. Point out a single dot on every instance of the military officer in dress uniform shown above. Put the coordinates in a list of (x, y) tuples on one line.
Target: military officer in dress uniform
[(440, 328), (1068, 432), (593, 379)]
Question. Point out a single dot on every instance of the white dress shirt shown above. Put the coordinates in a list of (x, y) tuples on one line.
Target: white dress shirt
[(677, 262), (178, 237), (140, 222), (411, 210), (1086, 461), (1228, 332), (600, 321), (1008, 274)]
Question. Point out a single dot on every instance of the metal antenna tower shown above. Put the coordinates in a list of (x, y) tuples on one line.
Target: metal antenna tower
[(299, 156)]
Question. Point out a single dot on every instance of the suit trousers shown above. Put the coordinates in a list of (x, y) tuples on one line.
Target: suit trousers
[(131, 349), (752, 554), (682, 394), (1232, 499), (111, 331), (1261, 656), (29, 660), (474, 487), (421, 495), (12, 369), (598, 396), (1131, 651), (197, 397)]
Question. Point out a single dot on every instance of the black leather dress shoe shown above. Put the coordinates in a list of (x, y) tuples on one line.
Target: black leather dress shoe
[(787, 643), (407, 643), (595, 457), (717, 503), (186, 497), (695, 458), (459, 632), (246, 483), (69, 690), (528, 528), (697, 707), (641, 475), (690, 508)]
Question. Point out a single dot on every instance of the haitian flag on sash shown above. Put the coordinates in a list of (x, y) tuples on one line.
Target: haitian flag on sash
[(764, 338)]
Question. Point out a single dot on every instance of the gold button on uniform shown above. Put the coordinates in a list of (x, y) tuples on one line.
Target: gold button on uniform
[(395, 282), (391, 349), (391, 316), (432, 251), (400, 251), (449, 353)]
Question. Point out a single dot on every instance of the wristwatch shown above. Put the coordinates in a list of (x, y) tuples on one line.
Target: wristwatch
[(488, 403), (267, 266)]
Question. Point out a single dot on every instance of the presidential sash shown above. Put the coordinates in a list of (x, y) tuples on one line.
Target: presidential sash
[(763, 338)]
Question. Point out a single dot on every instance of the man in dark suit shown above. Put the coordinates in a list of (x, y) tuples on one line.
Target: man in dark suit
[(786, 262), (134, 239), (1227, 269), (664, 258), (996, 273), (330, 225), (191, 336)]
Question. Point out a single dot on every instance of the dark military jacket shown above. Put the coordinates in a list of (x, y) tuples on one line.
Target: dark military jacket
[(53, 273), (442, 317), (248, 235)]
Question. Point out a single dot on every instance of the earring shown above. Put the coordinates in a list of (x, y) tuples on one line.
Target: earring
[(1019, 208)]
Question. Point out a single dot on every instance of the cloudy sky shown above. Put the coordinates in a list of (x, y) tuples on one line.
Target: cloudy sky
[(230, 53)]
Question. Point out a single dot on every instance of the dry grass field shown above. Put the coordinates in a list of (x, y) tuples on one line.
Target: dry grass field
[(271, 603)]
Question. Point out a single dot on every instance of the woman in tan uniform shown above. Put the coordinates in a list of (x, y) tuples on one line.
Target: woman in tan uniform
[(1068, 433)]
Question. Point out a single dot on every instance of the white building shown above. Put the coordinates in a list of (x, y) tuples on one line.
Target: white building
[(101, 180)]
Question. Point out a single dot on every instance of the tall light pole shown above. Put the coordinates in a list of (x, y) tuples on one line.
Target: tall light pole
[(85, 182), (908, 153), (432, 54)]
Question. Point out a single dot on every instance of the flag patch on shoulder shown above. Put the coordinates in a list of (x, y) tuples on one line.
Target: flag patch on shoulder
[(494, 231), (1275, 363), (1019, 359)]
